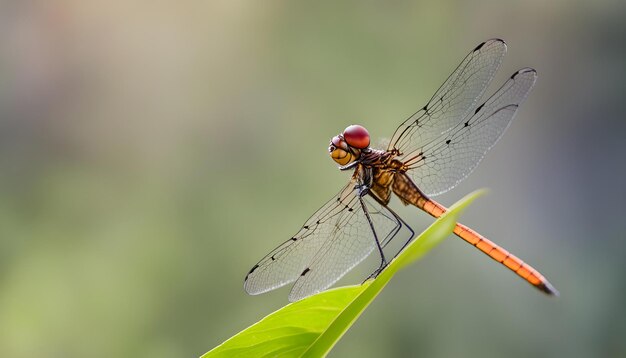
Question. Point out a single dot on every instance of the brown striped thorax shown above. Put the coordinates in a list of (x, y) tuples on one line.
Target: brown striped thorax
[(375, 167)]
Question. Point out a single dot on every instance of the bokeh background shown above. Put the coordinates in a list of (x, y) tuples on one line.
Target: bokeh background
[(151, 152)]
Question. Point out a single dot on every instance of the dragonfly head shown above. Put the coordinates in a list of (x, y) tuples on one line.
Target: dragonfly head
[(346, 147)]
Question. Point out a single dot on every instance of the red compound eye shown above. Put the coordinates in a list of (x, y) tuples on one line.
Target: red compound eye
[(357, 136)]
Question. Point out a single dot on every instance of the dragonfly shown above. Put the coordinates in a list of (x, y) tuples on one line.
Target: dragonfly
[(429, 154)]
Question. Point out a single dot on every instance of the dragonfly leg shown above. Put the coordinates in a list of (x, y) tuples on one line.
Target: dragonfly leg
[(402, 222), (362, 191)]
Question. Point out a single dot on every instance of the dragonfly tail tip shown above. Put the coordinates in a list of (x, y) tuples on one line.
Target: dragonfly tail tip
[(548, 289)]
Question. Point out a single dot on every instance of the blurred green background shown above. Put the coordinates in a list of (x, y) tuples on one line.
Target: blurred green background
[(152, 152)]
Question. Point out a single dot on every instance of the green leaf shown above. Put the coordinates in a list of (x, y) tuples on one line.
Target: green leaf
[(312, 326)]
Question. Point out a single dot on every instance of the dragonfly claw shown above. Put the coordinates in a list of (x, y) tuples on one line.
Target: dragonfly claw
[(377, 272)]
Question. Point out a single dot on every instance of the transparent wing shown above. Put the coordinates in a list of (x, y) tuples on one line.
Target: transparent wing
[(352, 241), (334, 240), (441, 164), (453, 100), (285, 263)]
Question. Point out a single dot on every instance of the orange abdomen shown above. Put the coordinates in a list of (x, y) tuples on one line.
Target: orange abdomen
[(494, 251), (406, 190)]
